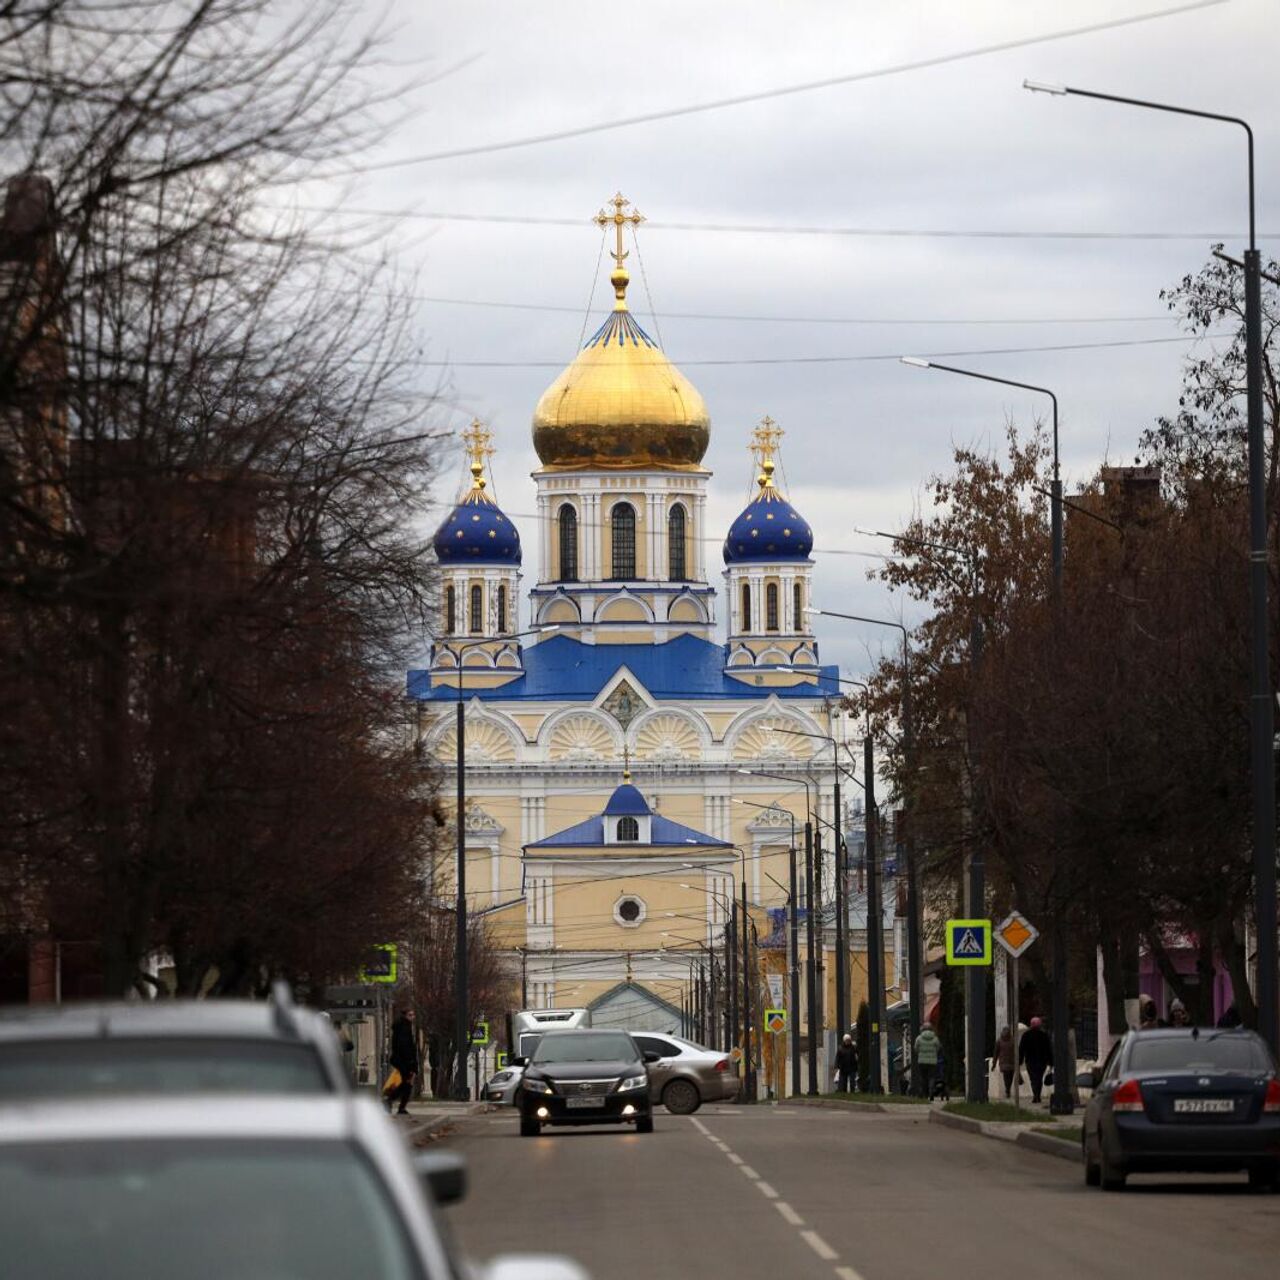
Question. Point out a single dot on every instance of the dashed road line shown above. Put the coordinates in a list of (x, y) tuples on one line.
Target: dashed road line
[(749, 1171), (848, 1273), (735, 1159), (701, 1128), (819, 1246), (788, 1213), (766, 1190)]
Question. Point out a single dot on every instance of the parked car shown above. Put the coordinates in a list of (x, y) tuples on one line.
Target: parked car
[(686, 1074), (214, 1187), (155, 1047), (503, 1085), (585, 1077), (1183, 1100)]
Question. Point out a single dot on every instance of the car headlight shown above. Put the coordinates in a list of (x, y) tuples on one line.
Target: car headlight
[(634, 1082), (502, 1077), (536, 1086)]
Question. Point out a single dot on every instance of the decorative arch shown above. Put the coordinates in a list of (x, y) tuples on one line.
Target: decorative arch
[(687, 608), (773, 655), (666, 735), (560, 609), (489, 740), (754, 735), (624, 608), (580, 736)]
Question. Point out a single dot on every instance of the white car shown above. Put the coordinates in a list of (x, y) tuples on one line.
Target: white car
[(502, 1085), (203, 1187)]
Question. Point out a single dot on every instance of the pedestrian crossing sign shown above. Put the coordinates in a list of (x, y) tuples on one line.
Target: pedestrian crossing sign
[(968, 942)]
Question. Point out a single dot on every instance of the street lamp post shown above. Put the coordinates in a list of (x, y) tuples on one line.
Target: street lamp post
[(462, 1022), (1261, 712), (915, 952)]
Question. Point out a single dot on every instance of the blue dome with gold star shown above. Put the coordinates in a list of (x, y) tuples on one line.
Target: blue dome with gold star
[(769, 528), (476, 531)]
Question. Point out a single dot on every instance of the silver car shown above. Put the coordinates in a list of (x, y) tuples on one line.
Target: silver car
[(209, 1187), (686, 1074), (502, 1085)]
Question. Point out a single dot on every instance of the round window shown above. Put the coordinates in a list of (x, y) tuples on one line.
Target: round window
[(629, 911)]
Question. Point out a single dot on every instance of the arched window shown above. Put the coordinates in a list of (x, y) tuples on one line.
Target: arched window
[(746, 607), (622, 519), (502, 610), (676, 569), (477, 609), (771, 607), (450, 610), (568, 544), (797, 593), (628, 829)]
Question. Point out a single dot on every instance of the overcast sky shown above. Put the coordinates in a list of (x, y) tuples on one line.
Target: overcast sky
[(954, 147)]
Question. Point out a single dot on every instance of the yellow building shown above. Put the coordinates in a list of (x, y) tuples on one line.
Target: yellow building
[(727, 740)]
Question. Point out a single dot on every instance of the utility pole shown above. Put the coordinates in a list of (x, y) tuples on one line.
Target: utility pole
[(811, 979), (749, 1074), (820, 965), (842, 913), (794, 947), (875, 917)]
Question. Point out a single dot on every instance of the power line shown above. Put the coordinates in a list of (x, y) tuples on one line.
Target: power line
[(783, 229), (763, 95)]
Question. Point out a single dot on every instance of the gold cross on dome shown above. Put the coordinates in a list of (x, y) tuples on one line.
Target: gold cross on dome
[(476, 440), (619, 220), (764, 444)]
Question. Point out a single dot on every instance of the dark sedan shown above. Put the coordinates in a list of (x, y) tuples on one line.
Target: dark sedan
[(1183, 1100), (585, 1077)]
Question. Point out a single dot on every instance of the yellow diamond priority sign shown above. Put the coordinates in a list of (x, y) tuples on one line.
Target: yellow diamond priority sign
[(775, 1020), (1015, 933)]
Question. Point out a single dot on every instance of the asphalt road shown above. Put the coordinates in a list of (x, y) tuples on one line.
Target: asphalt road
[(800, 1193)]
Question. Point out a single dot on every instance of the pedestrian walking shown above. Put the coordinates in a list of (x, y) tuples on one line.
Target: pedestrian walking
[(404, 1058), (1006, 1059), (1035, 1050), (1178, 1015), (847, 1066), (1230, 1017), (927, 1051)]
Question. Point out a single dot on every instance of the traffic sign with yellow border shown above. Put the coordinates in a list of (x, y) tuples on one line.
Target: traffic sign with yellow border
[(775, 1020), (382, 964), (480, 1034), (968, 942)]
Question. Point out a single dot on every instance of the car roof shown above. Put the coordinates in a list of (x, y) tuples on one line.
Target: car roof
[(149, 1019), (1191, 1033), (191, 1117)]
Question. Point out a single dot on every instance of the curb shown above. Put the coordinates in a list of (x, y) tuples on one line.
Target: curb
[(1040, 1142), (840, 1104), (431, 1127)]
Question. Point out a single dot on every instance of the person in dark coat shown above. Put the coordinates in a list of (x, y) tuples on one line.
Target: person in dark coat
[(404, 1058), (847, 1066), (1035, 1049)]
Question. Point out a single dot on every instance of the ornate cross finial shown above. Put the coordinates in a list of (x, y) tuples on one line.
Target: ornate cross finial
[(764, 444), (476, 440), (619, 220), (626, 764)]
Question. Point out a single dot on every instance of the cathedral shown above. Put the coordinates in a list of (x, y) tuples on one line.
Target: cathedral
[(628, 766)]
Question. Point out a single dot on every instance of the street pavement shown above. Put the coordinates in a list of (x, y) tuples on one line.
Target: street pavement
[(802, 1193)]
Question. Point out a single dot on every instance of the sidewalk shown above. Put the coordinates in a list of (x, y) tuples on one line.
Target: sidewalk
[(1022, 1133), (430, 1118)]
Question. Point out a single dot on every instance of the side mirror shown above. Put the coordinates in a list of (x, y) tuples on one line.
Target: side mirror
[(650, 1057), (517, 1062), (533, 1266), (1086, 1079), (444, 1175)]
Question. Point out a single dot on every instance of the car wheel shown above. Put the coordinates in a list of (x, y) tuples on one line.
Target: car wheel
[(644, 1124), (1092, 1171), (1266, 1178), (1110, 1178), (530, 1126), (681, 1097)]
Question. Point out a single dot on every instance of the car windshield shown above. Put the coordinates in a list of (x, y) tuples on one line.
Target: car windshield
[(586, 1046), (1201, 1053), (224, 1210), (74, 1068)]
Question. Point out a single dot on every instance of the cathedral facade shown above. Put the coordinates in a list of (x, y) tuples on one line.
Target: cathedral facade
[(628, 764)]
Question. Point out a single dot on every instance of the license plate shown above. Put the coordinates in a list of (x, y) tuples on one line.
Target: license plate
[(1204, 1106), (577, 1104)]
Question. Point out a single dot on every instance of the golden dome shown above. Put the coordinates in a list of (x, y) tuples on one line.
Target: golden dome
[(621, 403)]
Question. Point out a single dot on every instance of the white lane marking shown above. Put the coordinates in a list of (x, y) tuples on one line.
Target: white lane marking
[(750, 1172), (818, 1245), (735, 1159), (788, 1213), (848, 1273), (701, 1128), (766, 1190)]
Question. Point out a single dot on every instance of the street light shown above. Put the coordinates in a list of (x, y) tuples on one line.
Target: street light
[(462, 1024), (1261, 715), (813, 895), (914, 943)]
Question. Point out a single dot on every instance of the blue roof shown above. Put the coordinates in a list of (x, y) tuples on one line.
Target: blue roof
[(476, 532), (564, 669), (769, 528), (663, 832), (626, 801)]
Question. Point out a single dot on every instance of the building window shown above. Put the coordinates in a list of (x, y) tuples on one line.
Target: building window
[(477, 610), (568, 544), (676, 568), (502, 610), (771, 607), (746, 607), (622, 520), (629, 912), (797, 595), (450, 611), (628, 829)]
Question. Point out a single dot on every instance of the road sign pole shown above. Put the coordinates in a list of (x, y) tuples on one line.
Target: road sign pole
[(1017, 1037)]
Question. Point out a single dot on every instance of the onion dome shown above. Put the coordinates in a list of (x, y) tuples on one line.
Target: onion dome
[(625, 802), (621, 403), (476, 531), (769, 528)]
